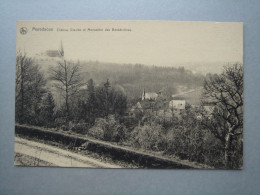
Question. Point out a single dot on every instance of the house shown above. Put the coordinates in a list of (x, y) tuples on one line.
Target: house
[(149, 95), (177, 104)]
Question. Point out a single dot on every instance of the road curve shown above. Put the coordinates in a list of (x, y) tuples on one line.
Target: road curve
[(56, 156)]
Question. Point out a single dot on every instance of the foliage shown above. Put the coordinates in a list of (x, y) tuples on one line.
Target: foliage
[(108, 129), (81, 127), (30, 89), (148, 137), (47, 111), (110, 101), (134, 78), (226, 123), (87, 107), (185, 138)]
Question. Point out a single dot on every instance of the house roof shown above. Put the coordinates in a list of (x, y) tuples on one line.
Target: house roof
[(53, 53)]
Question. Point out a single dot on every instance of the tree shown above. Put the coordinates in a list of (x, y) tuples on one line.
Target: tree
[(110, 101), (149, 137), (30, 88), (67, 78), (22, 65), (226, 92), (87, 106), (38, 91), (118, 101), (91, 101), (47, 110), (107, 86)]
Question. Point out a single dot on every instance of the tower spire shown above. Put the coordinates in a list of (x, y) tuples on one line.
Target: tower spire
[(143, 96), (61, 50)]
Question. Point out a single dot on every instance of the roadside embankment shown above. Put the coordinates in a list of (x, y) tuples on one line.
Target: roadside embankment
[(115, 152)]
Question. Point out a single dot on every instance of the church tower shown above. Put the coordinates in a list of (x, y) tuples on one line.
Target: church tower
[(143, 95)]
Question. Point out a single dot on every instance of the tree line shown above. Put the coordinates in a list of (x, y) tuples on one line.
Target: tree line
[(35, 103), (134, 78)]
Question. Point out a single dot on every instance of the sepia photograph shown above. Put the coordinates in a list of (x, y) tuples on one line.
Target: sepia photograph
[(129, 94)]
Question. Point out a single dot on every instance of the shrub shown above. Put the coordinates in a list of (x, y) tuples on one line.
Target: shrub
[(186, 143), (108, 129), (96, 132), (148, 137), (80, 127), (61, 123)]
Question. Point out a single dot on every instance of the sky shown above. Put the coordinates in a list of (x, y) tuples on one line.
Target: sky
[(199, 46)]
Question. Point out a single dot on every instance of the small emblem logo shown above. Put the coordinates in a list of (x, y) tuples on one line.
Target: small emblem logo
[(23, 30)]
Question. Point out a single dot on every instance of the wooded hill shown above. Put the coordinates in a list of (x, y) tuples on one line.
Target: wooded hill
[(133, 79)]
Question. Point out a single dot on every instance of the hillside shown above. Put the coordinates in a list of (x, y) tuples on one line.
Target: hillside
[(132, 79), (135, 78)]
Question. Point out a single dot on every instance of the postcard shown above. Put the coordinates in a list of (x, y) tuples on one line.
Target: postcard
[(129, 94)]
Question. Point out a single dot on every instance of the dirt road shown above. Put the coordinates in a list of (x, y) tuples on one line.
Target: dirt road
[(30, 153)]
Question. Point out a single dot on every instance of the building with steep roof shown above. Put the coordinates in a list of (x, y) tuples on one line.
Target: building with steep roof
[(53, 53), (149, 95)]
